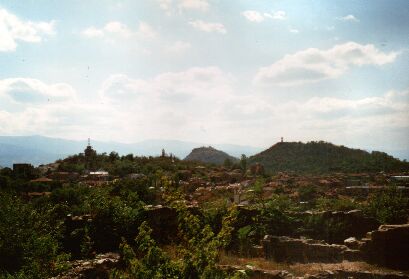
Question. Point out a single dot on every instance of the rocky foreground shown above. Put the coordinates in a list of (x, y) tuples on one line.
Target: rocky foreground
[(370, 257)]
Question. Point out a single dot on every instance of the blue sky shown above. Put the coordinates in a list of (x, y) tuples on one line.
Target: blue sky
[(245, 72)]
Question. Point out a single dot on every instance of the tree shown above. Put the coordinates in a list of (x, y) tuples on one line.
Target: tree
[(389, 207), (113, 156), (199, 254), (90, 156), (257, 191), (243, 162), (227, 163)]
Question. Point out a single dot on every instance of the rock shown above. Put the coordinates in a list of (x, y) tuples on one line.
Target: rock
[(99, 267), (256, 273), (352, 243), (257, 169)]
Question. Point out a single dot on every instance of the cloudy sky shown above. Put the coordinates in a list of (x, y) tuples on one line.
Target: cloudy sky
[(213, 71)]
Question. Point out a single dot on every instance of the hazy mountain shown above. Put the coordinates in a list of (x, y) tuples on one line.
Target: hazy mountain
[(10, 154), (209, 155), (318, 157), (39, 149)]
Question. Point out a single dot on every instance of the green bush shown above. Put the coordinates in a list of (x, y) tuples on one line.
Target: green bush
[(338, 204), (199, 251), (29, 240), (390, 206)]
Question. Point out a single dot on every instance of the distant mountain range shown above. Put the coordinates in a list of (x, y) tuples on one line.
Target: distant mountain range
[(321, 157), (209, 155), (41, 150)]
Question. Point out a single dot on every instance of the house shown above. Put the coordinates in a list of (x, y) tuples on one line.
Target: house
[(98, 175), (42, 180)]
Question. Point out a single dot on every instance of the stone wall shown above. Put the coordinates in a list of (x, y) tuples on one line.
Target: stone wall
[(286, 249), (388, 246), (335, 226)]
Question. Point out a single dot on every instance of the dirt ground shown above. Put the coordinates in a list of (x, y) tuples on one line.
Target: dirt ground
[(300, 269)]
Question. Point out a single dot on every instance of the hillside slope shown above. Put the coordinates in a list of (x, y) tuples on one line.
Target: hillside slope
[(209, 155), (319, 157)]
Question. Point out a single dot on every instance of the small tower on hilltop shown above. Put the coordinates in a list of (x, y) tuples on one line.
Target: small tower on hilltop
[(89, 154), (282, 139)]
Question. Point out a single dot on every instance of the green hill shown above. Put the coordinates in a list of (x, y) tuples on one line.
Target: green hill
[(322, 157), (209, 155)]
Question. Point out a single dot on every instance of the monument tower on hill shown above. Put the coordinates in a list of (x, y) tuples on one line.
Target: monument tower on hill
[(89, 154)]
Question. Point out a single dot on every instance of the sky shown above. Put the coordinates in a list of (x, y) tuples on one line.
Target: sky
[(232, 71)]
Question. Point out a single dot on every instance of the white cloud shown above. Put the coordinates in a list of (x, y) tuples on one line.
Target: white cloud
[(172, 86), (172, 104), (178, 47), (330, 107), (119, 29), (294, 30), (280, 15), (32, 91), (173, 6), (14, 29), (93, 32), (66, 120), (198, 104), (208, 26), (146, 31), (352, 118), (312, 65), (350, 18), (339, 120), (32, 106), (255, 16), (201, 5)]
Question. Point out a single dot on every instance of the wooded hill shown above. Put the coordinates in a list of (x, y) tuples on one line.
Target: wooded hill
[(321, 157), (209, 155)]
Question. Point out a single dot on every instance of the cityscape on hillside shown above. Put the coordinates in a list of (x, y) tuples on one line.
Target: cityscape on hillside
[(204, 139)]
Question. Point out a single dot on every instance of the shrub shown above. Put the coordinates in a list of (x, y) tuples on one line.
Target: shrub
[(389, 206), (29, 240)]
